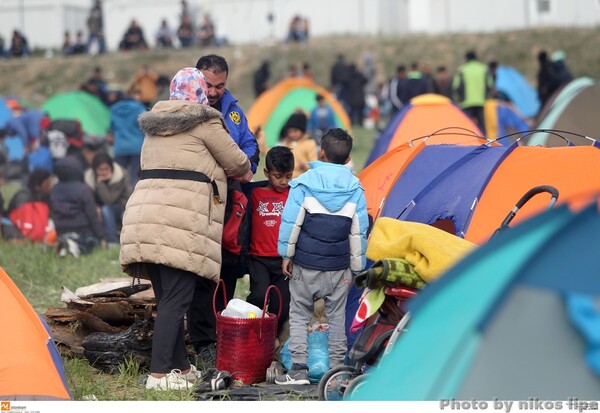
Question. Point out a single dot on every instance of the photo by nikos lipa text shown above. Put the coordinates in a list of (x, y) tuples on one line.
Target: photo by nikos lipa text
[(572, 404)]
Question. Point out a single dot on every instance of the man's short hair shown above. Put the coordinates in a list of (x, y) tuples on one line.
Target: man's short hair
[(337, 144), (470, 55), (280, 158), (213, 63)]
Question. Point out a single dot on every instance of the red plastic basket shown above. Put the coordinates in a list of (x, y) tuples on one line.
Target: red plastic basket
[(246, 346)]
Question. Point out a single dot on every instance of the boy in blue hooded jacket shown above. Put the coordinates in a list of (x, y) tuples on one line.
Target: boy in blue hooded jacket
[(322, 240)]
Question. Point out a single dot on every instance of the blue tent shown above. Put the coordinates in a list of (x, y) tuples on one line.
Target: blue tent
[(469, 190), (514, 320), (518, 89)]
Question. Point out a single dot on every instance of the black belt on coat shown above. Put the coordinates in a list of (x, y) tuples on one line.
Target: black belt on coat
[(180, 174)]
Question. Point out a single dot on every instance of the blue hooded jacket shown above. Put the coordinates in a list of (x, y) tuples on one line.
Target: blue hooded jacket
[(237, 124), (124, 126), (324, 222)]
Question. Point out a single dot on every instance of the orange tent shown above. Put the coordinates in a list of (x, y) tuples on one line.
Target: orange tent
[(30, 365), (274, 106), (470, 190), (432, 116)]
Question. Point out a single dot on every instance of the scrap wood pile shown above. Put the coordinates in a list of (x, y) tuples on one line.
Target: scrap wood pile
[(106, 323)]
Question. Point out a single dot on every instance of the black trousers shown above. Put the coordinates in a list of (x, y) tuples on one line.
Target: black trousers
[(173, 289), (476, 113), (266, 271), (202, 323)]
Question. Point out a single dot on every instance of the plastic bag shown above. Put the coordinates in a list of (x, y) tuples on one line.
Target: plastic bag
[(318, 355)]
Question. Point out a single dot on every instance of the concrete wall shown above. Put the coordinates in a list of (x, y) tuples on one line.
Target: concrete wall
[(245, 21)]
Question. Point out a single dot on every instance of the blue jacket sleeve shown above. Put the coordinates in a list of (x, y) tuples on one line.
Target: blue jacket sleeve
[(248, 143), (358, 235), (291, 223)]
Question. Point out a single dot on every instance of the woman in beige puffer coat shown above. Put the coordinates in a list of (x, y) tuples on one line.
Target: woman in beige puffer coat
[(173, 221)]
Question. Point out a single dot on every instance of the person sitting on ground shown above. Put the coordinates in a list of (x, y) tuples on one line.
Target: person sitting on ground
[(73, 210), (110, 183), (19, 47), (133, 39), (80, 46), (266, 206), (206, 33), (164, 35), (322, 240), (28, 209), (67, 46), (294, 137)]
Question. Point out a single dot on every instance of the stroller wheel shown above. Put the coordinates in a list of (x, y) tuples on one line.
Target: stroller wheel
[(332, 385), (354, 385)]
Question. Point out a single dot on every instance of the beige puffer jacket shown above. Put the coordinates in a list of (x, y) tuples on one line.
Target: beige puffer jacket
[(176, 222)]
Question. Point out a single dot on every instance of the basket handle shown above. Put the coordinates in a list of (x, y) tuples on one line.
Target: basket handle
[(220, 283), (266, 302)]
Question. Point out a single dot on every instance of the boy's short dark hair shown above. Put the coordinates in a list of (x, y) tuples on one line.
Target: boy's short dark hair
[(337, 144), (280, 158), (214, 63)]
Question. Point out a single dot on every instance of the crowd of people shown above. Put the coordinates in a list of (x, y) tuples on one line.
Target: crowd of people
[(167, 220), (363, 96), (156, 189)]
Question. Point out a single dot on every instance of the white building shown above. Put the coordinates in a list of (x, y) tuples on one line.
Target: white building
[(246, 21)]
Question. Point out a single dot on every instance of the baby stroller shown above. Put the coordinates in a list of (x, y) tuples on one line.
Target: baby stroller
[(383, 328)]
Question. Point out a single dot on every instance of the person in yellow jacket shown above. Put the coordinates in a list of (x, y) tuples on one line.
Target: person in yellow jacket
[(173, 221), (472, 85), (293, 135)]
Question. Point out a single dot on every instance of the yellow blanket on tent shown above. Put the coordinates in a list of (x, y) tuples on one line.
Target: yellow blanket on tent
[(430, 250)]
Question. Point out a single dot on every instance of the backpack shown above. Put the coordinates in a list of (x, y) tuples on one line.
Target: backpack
[(32, 219), (235, 224)]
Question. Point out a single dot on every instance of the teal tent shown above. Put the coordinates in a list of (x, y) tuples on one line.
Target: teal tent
[(506, 322), (573, 108)]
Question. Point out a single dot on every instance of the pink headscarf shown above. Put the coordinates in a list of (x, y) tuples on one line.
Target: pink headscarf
[(189, 84)]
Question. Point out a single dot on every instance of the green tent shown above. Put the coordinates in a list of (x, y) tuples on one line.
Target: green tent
[(93, 115)]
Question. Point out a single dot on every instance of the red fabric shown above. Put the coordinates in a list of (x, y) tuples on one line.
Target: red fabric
[(234, 228), (267, 207), (31, 219)]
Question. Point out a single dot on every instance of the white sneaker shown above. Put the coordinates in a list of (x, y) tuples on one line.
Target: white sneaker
[(193, 375), (73, 248), (172, 381)]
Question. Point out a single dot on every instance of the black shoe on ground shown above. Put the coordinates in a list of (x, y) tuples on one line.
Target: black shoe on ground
[(206, 357)]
